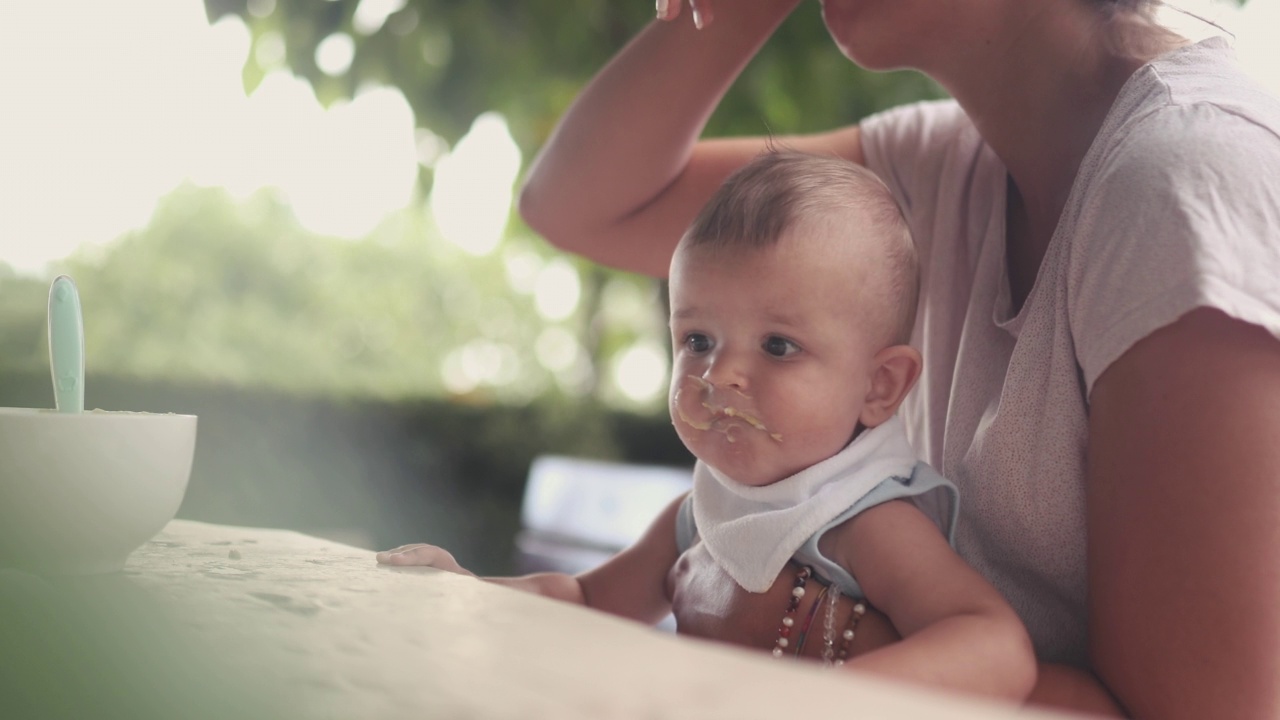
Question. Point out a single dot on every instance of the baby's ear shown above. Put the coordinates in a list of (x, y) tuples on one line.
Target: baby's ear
[(894, 372)]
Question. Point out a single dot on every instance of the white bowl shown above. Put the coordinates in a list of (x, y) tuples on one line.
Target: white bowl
[(80, 491)]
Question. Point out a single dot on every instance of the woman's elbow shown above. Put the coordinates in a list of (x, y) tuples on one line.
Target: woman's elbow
[(552, 222), (532, 208)]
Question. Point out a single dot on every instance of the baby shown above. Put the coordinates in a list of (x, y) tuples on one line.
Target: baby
[(811, 530)]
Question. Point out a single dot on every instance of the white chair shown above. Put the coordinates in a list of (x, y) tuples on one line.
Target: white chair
[(577, 513)]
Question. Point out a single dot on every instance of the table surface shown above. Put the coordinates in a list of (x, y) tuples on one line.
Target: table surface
[(316, 629)]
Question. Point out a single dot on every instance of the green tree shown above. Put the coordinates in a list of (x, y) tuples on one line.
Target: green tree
[(215, 289), (527, 60), (454, 61), (23, 331), (221, 290)]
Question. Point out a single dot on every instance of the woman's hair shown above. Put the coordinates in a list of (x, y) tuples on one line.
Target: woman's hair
[(1133, 30), (1138, 5), (783, 189)]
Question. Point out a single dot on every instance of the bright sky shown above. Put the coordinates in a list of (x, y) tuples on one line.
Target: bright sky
[(108, 106)]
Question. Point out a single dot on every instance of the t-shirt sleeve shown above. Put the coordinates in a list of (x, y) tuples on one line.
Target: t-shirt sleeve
[(906, 145), (927, 153), (1184, 213)]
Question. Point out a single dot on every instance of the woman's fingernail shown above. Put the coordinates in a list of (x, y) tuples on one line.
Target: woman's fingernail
[(662, 9), (697, 18)]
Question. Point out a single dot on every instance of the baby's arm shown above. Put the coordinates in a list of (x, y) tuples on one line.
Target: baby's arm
[(958, 631), (631, 584), (553, 585)]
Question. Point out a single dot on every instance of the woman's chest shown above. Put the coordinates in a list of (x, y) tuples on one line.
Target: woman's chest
[(1000, 410)]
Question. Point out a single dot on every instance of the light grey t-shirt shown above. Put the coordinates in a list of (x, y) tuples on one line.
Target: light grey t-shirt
[(1176, 206)]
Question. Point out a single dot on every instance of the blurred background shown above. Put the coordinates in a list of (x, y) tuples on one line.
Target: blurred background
[(294, 219)]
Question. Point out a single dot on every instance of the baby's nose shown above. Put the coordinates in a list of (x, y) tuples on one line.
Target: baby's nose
[(727, 371)]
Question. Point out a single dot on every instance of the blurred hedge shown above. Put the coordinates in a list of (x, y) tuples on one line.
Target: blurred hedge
[(373, 473)]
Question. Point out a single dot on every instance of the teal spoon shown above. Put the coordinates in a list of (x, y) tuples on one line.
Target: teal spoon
[(66, 345)]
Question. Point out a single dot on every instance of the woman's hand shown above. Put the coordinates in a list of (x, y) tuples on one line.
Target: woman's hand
[(701, 9), (422, 554)]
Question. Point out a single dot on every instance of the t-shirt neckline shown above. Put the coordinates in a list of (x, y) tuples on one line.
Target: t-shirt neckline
[(1002, 313)]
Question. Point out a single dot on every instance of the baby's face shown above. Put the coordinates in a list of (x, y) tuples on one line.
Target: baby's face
[(773, 356)]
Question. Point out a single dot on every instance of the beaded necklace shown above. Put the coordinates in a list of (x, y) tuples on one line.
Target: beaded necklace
[(831, 655)]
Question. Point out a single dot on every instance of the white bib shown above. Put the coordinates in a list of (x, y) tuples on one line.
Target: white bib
[(752, 532)]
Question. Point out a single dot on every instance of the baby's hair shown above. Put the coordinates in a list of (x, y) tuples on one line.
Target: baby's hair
[(782, 189)]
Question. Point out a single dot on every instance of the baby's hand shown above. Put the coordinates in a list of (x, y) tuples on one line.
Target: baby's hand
[(422, 554)]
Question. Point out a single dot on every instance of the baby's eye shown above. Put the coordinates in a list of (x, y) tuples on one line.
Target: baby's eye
[(779, 346), (697, 342)]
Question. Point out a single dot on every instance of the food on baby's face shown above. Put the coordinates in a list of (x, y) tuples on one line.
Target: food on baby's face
[(704, 406)]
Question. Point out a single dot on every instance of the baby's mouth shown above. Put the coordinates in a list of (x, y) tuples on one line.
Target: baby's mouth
[(704, 406)]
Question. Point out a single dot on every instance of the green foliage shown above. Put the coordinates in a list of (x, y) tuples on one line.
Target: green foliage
[(225, 291), (23, 329), (216, 289), (527, 60), (454, 60), (219, 290)]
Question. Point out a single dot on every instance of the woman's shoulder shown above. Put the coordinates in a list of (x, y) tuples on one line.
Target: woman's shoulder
[(1193, 105), (1176, 207), (1191, 117), (1198, 167), (1209, 72)]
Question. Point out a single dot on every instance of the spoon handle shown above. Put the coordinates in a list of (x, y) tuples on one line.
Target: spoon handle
[(66, 345)]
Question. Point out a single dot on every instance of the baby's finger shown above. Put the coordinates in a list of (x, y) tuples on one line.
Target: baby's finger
[(424, 555), (411, 556), (384, 553)]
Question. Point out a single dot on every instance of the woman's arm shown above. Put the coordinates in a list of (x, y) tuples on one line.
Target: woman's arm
[(1183, 492), (957, 630), (1069, 688), (623, 173)]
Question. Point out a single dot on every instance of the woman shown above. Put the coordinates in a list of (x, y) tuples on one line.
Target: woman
[(1096, 214)]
